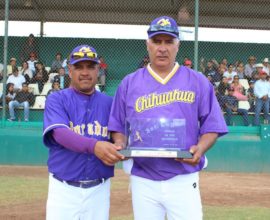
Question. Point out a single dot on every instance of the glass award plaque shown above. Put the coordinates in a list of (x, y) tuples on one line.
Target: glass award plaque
[(156, 137)]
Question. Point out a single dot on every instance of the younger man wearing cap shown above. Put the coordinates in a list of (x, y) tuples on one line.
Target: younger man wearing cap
[(262, 94), (81, 158), (164, 89)]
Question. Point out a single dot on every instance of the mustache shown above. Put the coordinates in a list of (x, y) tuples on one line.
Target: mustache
[(85, 78)]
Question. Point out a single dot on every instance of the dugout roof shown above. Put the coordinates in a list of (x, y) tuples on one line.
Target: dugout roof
[(252, 14)]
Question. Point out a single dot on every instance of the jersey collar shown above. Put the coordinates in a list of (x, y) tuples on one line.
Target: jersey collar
[(167, 78)]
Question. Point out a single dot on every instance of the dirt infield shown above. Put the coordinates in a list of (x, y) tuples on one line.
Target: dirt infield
[(217, 189)]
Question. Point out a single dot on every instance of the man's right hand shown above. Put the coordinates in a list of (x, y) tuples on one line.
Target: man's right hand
[(108, 153)]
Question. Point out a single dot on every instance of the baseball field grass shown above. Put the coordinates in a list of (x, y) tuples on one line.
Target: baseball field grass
[(232, 196)]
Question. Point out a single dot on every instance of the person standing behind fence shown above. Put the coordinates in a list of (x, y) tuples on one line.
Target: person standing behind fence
[(102, 73), (166, 186), (262, 94), (29, 47), (81, 158)]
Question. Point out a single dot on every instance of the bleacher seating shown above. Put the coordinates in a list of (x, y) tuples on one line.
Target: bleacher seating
[(39, 102), (46, 88), (33, 87), (244, 105), (47, 68)]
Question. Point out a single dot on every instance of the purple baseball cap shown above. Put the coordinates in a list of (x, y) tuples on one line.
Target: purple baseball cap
[(82, 53), (163, 25)]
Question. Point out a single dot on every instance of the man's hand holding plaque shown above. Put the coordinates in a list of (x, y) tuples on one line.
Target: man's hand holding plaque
[(156, 137)]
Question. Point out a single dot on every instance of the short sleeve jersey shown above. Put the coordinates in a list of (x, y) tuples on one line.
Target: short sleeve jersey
[(85, 115), (183, 94)]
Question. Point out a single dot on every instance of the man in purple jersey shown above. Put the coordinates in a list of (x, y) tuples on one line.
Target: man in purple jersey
[(81, 158), (164, 89)]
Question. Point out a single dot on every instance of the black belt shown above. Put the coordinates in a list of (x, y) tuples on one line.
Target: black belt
[(82, 184)]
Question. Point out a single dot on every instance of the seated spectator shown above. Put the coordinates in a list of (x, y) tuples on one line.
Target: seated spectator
[(16, 78), (41, 76), (266, 66), (240, 69), (57, 63), (22, 99), (11, 66), (211, 68), (262, 94), (231, 105), (32, 62), (10, 93), (210, 78), (144, 62), (26, 72), (251, 96), (250, 67), (229, 74), (255, 74), (55, 88), (103, 68), (223, 86), (219, 97), (62, 78), (238, 89)]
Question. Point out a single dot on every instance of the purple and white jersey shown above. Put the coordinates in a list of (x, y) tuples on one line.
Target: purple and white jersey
[(183, 94), (85, 115)]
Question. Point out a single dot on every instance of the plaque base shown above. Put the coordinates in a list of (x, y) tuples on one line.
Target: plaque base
[(155, 153)]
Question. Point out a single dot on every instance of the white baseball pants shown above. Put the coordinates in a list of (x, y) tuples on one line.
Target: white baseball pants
[(67, 202), (178, 198)]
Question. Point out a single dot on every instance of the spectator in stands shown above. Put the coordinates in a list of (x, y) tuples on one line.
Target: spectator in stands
[(210, 78), (41, 76), (223, 86), (22, 99), (103, 68), (224, 64), (26, 72), (62, 78), (32, 62), (255, 74), (250, 67), (11, 66), (55, 87), (230, 73), (262, 94), (240, 69), (231, 105), (57, 63), (251, 96), (219, 98), (16, 78), (266, 66), (29, 47), (188, 63), (239, 90), (219, 74), (211, 68), (10, 93), (144, 62)]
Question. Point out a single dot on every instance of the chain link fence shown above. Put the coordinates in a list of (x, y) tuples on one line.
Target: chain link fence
[(38, 63)]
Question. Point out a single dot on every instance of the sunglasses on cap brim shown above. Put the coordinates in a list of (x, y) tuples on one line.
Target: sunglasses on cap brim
[(170, 29), (79, 55)]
